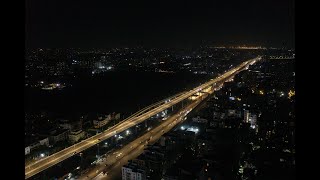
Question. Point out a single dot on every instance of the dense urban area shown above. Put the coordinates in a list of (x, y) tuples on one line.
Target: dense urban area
[(242, 128)]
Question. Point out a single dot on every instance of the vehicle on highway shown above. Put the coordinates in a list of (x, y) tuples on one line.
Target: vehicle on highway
[(118, 155)]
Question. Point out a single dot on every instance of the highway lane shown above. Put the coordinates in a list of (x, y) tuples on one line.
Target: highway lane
[(63, 154), (136, 147), (43, 164)]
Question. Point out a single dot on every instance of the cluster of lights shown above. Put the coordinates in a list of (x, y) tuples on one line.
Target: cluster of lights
[(248, 47), (196, 130), (261, 92), (291, 93), (281, 94)]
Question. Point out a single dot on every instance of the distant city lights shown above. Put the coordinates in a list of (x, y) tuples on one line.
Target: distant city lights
[(291, 93), (281, 94), (214, 116), (261, 92)]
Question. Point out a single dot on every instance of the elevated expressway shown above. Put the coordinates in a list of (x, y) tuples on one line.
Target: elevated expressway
[(131, 121)]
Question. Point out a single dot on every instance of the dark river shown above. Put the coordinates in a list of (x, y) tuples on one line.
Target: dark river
[(112, 92)]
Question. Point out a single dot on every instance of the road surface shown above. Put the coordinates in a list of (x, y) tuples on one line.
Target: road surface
[(121, 156), (66, 153)]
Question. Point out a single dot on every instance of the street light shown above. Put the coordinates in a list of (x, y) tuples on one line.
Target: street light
[(98, 150), (80, 162)]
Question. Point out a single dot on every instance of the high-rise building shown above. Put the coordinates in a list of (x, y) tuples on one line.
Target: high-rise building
[(246, 116), (253, 121)]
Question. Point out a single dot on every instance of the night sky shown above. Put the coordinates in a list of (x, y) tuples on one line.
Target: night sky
[(91, 24)]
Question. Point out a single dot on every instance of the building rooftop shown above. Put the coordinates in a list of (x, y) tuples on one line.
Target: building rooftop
[(29, 139), (58, 131)]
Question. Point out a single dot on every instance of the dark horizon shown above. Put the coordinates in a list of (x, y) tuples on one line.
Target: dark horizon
[(104, 24)]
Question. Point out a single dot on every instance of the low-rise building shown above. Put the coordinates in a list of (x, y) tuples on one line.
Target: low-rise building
[(64, 123), (102, 121), (214, 123), (223, 115), (75, 136), (199, 120), (231, 112), (116, 116), (34, 145), (70, 125), (27, 150), (133, 172), (58, 135), (44, 141), (33, 142)]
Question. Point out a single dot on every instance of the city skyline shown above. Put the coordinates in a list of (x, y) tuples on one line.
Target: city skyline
[(161, 91), (238, 97)]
